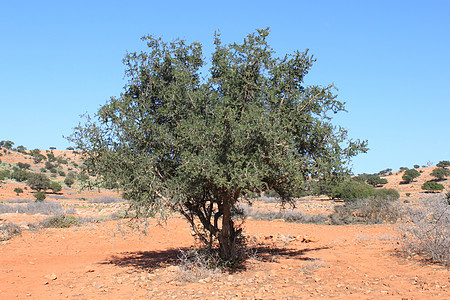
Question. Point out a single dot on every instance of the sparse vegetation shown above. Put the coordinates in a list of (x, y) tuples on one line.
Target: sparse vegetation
[(8, 231), (60, 221), (426, 229)]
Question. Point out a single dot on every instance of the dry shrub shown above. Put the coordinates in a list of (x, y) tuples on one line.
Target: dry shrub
[(372, 210), (426, 230), (106, 200), (197, 264), (9, 230)]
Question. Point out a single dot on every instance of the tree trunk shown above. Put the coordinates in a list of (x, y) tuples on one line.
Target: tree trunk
[(227, 235)]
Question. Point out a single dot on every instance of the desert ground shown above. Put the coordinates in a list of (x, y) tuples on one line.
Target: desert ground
[(105, 258)]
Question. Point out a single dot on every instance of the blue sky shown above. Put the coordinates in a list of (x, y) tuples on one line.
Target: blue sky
[(390, 61)]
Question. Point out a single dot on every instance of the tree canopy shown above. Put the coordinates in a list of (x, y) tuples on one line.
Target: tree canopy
[(177, 139)]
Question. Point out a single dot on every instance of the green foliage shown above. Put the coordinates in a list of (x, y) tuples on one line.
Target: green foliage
[(51, 157), (24, 166), (55, 187), (440, 173), (18, 191), (60, 221), (443, 164), (69, 181), (371, 210), (387, 194), (38, 181), (40, 196), (375, 180), (410, 175), (20, 174), (385, 171), (352, 190), (37, 158), (6, 144), (416, 166), (4, 174), (432, 186), (403, 169), (178, 140), (61, 173)]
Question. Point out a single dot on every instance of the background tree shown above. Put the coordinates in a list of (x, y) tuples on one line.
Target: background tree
[(410, 175), (432, 186), (55, 187), (443, 164), (440, 173), (178, 140), (38, 181)]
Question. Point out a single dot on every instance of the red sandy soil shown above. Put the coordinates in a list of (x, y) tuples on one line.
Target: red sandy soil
[(293, 261), (289, 261)]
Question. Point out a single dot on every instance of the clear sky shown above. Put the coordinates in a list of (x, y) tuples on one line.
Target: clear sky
[(390, 61)]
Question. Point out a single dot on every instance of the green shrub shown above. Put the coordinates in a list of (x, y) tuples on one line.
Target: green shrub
[(40, 196), (375, 180), (443, 164), (61, 173), (4, 174), (61, 221), (55, 187), (69, 181), (440, 173), (432, 186), (387, 194), (24, 166), (18, 191), (353, 190), (372, 210), (20, 175), (38, 181), (410, 175)]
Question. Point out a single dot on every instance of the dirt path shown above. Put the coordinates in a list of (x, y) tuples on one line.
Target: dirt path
[(303, 261)]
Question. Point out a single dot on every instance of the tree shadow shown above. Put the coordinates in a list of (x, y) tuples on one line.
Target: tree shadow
[(152, 260)]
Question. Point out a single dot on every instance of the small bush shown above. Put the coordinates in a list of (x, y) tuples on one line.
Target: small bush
[(426, 230), (18, 191), (391, 194), (372, 210), (105, 199), (288, 216), (62, 173), (9, 230), (55, 187), (197, 264), (432, 186), (61, 221), (4, 174), (40, 196), (69, 181), (375, 180), (353, 190), (20, 175), (24, 166)]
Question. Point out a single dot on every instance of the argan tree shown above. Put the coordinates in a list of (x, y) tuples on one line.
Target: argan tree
[(409, 175), (180, 140), (440, 173)]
